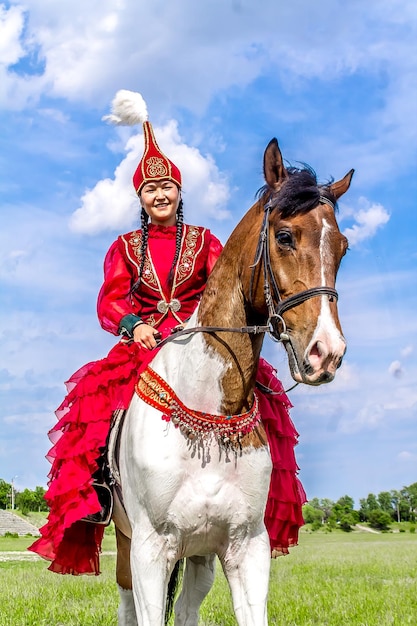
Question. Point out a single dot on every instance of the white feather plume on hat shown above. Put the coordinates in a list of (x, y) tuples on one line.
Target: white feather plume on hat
[(127, 109)]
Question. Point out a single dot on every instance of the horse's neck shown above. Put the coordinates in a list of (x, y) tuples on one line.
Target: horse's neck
[(213, 372), (193, 370), (223, 305)]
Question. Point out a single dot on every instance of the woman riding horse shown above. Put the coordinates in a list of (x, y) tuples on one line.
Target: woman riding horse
[(153, 281)]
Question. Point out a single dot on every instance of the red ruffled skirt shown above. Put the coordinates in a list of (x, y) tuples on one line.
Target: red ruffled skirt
[(283, 513), (94, 393)]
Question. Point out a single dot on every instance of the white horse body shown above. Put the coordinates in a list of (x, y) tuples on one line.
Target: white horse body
[(185, 499)]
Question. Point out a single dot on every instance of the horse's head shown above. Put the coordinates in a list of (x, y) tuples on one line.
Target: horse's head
[(294, 272)]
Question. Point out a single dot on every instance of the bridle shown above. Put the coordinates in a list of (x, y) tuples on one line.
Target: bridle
[(277, 306)]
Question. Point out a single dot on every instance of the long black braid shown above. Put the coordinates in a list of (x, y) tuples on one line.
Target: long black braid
[(178, 238), (144, 218)]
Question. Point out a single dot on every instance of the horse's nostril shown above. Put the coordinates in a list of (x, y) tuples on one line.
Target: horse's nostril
[(315, 350)]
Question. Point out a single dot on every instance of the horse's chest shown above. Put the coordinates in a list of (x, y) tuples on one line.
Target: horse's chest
[(222, 483), (196, 494), (218, 495)]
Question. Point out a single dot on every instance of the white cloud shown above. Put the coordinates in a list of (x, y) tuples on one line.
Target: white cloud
[(112, 204), (406, 456), (16, 91), (407, 351), (11, 27), (54, 114), (368, 221), (91, 47), (369, 417), (89, 50), (396, 369), (382, 402)]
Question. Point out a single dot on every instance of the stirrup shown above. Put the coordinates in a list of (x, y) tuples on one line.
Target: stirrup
[(105, 498)]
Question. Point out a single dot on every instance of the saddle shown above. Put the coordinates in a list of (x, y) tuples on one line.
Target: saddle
[(106, 479)]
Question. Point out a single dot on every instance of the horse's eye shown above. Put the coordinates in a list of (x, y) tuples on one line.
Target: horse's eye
[(284, 238)]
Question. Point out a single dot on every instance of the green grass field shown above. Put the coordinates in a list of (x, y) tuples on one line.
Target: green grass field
[(333, 579)]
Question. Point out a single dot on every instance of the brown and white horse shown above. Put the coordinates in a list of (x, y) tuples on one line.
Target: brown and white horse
[(190, 492)]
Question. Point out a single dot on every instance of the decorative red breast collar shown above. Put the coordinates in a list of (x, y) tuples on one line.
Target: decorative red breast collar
[(227, 429)]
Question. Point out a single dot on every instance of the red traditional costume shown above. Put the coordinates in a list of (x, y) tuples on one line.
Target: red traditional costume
[(102, 387)]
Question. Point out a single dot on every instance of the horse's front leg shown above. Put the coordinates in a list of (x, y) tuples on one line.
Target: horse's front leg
[(197, 581), (126, 612), (246, 567), (151, 569)]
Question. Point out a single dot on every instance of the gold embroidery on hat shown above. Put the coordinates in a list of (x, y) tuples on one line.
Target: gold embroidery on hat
[(156, 167)]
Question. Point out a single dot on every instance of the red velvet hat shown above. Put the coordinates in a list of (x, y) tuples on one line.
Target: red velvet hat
[(129, 108), (154, 165)]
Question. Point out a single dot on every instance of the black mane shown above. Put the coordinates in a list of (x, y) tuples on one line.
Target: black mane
[(299, 194)]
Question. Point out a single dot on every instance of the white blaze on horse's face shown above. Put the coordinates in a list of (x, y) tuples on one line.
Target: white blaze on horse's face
[(325, 351), (317, 344)]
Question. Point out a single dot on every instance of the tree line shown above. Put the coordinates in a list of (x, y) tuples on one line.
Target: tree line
[(26, 500), (379, 511)]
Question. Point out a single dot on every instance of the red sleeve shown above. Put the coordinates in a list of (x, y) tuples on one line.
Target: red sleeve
[(214, 253), (113, 300)]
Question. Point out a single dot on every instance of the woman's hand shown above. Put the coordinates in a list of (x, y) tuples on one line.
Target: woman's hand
[(144, 335)]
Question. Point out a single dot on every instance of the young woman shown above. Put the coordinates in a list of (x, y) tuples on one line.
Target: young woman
[(153, 281)]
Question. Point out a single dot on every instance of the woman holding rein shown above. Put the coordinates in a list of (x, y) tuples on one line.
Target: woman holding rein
[(153, 281)]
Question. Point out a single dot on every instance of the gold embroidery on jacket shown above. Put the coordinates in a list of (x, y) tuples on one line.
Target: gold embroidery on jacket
[(189, 251), (188, 255), (149, 277)]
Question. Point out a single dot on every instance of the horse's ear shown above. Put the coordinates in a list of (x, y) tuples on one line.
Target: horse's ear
[(274, 170), (341, 186)]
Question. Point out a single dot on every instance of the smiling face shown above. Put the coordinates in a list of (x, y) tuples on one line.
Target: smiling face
[(160, 200)]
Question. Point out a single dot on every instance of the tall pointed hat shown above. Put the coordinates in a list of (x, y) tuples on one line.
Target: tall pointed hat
[(129, 108)]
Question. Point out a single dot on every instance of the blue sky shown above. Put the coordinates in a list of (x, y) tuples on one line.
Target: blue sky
[(334, 81)]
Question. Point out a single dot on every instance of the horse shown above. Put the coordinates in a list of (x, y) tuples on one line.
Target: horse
[(194, 483)]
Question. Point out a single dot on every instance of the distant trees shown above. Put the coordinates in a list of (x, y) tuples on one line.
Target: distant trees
[(385, 501), (331, 514), (379, 519), (26, 500), (344, 513), (399, 505), (379, 511), (366, 506), (409, 495), (5, 493)]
